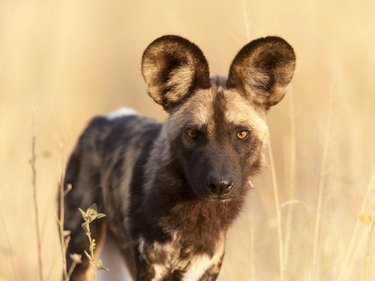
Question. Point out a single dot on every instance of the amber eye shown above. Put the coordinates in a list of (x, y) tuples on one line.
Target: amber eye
[(192, 134), (242, 134)]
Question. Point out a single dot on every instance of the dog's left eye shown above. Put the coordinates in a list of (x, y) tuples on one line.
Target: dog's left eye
[(192, 134), (242, 134)]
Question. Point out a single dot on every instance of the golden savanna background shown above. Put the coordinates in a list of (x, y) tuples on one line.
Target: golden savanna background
[(311, 214)]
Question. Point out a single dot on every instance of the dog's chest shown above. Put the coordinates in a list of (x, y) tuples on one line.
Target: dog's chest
[(173, 260)]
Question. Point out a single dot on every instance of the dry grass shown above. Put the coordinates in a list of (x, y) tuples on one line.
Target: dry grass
[(72, 59), (36, 209)]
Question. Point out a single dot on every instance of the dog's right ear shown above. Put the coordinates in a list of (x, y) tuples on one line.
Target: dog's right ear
[(173, 68)]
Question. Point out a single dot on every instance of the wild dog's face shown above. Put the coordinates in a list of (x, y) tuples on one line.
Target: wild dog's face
[(217, 130)]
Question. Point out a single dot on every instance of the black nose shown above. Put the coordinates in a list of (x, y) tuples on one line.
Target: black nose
[(220, 184)]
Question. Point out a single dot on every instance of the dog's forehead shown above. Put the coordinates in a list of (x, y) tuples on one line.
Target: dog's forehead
[(240, 111), (201, 109), (196, 111)]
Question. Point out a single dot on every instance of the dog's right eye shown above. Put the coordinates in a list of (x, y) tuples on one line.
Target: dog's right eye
[(193, 134), (241, 135)]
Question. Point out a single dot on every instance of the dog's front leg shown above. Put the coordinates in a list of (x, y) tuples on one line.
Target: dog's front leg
[(148, 266), (147, 271), (144, 271)]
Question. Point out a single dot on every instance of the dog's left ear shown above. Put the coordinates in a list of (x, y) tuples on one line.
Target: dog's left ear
[(173, 68), (262, 69)]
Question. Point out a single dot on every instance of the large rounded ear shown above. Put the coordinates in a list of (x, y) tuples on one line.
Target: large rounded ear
[(262, 69), (173, 68)]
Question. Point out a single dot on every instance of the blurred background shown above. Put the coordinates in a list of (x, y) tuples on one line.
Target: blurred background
[(311, 215)]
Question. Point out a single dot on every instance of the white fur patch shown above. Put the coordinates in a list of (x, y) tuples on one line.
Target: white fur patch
[(123, 111), (141, 249), (160, 271), (197, 268), (118, 270)]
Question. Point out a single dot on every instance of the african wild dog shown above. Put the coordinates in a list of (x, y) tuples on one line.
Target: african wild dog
[(171, 190)]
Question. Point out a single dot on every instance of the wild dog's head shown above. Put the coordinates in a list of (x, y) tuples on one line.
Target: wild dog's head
[(217, 128)]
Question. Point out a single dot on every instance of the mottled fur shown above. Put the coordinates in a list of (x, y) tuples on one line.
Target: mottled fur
[(171, 190)]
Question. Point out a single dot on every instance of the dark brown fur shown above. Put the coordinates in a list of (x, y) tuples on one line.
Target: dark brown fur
[(171, 190)]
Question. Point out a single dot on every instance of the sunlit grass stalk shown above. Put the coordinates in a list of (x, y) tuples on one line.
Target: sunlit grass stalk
[(278, 212), (321, 189), (252, 256), (369, 252), (292, 183), (318, 218), (63, 242), (36, 209), (350, 251), (246, 19), (71, 269), (63, 235)]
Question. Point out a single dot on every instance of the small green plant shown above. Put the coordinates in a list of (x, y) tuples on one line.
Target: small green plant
[(89, 216)]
